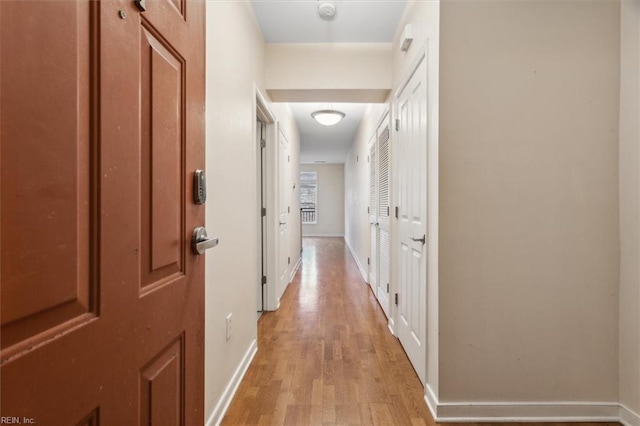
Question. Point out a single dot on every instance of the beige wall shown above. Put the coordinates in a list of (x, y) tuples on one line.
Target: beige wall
[(529, 253), (345, 72), (330, 212), (630, 211), (231, 208)]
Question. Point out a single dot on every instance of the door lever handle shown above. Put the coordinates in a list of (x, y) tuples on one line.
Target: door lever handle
[(200, 241), (423, 240), (283, 223)]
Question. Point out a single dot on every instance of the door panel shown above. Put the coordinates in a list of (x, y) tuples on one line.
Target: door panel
[(46, 175), (412, 223), (163, 173), (100, 293)]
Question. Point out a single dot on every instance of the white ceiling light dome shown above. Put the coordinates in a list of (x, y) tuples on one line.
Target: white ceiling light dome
[(327, 10), (327, 117)]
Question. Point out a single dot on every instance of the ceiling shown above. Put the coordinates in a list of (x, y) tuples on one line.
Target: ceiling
[(356, 21), (329, 144)]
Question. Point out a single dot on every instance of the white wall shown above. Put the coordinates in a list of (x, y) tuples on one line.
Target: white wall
[(529, 249), (235, 61), (356, 181), (629, 375), (330, 207), (424, 18)]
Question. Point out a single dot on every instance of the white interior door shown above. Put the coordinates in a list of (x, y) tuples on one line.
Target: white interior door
[(384, 207), (412, 218), (284, 174), (262, 203), (373, 217)]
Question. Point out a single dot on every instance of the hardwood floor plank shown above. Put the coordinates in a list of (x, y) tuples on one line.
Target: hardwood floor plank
[(327, 357)]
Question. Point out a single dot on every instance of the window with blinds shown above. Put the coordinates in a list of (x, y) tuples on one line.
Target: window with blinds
[(309, 197)]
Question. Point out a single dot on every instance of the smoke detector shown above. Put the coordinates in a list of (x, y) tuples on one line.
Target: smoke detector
[(327, 10)]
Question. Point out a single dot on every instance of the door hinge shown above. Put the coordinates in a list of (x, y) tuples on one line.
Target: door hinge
[(367, 158), (368, 261), (387, 287), (288, 261), (289, 209), (263, 143), (388, 211), (288, 158), (264, 280), (263, 211), (397, 124), (396, 298), (368, 210), (397, 211)]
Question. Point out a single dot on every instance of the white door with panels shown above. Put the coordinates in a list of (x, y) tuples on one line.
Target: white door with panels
[(384, 209), (379, 210), (373, 216), (412, 217), (284, 202)]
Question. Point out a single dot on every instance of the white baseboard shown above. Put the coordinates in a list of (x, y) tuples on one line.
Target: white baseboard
[(628, 417), (431, 400), (223, 403), (392, 326), (295, 269), (355, 257), (313, 235), (475, 412)]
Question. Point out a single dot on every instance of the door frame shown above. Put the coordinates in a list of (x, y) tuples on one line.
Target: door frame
[(266, 251)]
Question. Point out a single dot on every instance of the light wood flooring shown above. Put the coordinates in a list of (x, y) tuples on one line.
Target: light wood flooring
[(326, 356)]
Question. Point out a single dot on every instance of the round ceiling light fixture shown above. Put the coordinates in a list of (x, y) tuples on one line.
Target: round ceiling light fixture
[(327, 10), (327, 117)]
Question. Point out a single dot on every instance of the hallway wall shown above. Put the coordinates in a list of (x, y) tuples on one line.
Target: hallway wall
[(529, 248), (318, 72), (235, 61), (356, 180), (424, 18), (629, 375), (330, 207)]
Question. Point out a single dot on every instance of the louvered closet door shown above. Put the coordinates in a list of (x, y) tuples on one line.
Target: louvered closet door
[(383, 210), (373, 216)]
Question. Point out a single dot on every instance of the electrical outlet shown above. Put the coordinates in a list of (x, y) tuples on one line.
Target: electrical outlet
[(228, 326)]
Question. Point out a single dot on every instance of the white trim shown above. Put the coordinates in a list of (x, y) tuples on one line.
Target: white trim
[(223, 403), (473, 412), (628, 417), (392, 325), (422, 54), (353, 254), (431, 400), (262, 106), (295, 269), (305, 235)]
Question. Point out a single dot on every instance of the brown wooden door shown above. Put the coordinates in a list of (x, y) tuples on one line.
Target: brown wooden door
[(102, 300)]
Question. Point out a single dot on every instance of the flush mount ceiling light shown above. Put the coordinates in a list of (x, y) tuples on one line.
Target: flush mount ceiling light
[(327, 117), (327, 10)]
